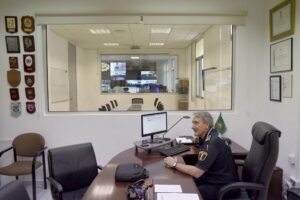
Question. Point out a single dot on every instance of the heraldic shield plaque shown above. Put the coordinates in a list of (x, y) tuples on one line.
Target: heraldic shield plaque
[(13, 77), (15, 109), (30, 107), (29, 80)]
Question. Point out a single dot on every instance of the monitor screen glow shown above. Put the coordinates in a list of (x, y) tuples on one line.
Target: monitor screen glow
[(154, 123)]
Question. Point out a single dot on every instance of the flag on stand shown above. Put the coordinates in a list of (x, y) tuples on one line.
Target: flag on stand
[(220, 125)]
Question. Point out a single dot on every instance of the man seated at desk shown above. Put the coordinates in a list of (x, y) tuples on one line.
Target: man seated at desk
[(215, 166)]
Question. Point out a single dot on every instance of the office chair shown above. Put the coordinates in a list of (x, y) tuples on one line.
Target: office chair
[(108, 108), (103, 108), (116, 103), (26, 145), (71, 170), (137, 101), (112, 104), (14, 191), (259, 164), (155, 101), (160, 106)]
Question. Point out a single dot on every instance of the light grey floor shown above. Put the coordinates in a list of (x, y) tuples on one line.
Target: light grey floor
[(41, 193)]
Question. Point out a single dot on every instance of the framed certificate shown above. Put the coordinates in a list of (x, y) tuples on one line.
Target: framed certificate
[(275, 88), (281, 56), (12, 44), (282, 20)]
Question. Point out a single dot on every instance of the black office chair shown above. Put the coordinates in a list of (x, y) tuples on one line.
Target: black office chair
[(14, 191), (259, 164), (137, 101), (71, 170), (108, 108), (112, 104), (103, 108), (155, 101), (116, 103), (160, 106)]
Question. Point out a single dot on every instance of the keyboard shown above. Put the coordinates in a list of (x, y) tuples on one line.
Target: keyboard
[(177, 149)]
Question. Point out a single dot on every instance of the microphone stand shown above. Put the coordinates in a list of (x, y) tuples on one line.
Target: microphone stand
[(167, 139)]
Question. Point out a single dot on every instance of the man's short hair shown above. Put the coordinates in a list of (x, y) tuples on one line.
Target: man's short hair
[(206, 117)]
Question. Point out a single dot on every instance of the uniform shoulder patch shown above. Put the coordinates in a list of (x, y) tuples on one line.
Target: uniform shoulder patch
[(202, 155)]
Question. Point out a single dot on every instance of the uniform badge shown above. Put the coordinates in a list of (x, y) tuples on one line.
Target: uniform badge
[(14, 94), (202, 155), (15, 109), (27, 24), (29, 80), (13, 77), (13, 62), (29, 63), (30, 107), (30, 94)]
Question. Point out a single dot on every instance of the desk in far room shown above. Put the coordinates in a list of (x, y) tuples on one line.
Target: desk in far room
[(104, 186)]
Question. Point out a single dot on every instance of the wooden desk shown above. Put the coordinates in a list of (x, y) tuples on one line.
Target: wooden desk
[(104, 186)]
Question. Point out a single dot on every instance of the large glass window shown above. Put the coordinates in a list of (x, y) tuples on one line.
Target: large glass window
[(113, 67)]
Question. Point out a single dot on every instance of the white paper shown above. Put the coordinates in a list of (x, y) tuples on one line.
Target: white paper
[(177, 196), (182, 140), (167, 188)]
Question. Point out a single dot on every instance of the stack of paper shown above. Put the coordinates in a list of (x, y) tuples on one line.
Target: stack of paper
[(173, 192)]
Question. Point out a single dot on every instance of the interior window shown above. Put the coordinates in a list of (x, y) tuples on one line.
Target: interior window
[(139, 67)]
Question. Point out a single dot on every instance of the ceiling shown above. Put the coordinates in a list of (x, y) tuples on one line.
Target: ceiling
[(129, 36)]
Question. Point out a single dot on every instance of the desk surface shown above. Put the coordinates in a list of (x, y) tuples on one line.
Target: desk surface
[(104, 186)]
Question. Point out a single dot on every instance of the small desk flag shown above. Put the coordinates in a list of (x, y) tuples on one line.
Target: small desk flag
[(220, 125)]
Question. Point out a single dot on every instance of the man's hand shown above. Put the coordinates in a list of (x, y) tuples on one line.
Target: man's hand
[(170, 162)]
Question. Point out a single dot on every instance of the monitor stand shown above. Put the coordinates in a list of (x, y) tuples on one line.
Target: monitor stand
[(148, 145), (155, 140)]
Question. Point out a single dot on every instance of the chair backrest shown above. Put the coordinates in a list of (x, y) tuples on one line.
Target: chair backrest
[(112, 104), (262, 157), (73, 166), (137, 101), (116, 103), (28, 144), (13, 191)]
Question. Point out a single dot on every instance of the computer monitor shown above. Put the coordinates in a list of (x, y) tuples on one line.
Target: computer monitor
[(154, 123)]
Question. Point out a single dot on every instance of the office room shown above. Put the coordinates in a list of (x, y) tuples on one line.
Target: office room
[(113, 132)]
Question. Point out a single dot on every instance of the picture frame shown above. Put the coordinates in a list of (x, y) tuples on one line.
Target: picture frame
[(282, 20), (287, 85), (11, 24), (275, 88), (28, 43), (281, 56), (12, 44)]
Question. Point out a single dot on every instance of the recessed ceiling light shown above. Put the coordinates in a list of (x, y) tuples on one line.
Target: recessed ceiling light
[(111, 44), (134, 57), (156, 44), (100, 31), (161, 30)]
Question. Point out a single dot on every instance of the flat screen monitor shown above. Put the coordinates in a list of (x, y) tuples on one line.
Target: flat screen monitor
[(154, 123)]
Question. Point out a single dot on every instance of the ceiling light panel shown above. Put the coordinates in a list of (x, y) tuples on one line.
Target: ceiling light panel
[(160, 30), (112, 44), (99, 31), (156, 44)]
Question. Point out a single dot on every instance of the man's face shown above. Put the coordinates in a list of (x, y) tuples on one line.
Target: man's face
[(199, 127)]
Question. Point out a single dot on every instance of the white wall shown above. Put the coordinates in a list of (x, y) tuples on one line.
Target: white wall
[(111, 133)]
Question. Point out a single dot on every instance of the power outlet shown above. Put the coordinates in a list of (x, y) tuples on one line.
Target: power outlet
[(292, 159)]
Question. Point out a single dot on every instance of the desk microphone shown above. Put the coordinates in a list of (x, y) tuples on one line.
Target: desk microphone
[(183, 117)]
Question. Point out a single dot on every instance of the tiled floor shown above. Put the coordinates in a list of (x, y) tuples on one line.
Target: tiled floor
[(41, 193)]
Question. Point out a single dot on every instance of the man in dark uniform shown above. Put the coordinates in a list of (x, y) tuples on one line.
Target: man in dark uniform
[(215, 166)]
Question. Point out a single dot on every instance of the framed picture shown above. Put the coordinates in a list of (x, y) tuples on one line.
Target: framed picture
[(281, 56), (28, 43), (12, 44), (282, 20), (287, 85), (11, 24), (275, 88)]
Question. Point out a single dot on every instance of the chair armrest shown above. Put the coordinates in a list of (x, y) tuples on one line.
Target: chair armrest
[(5, 150), (239, 185), (100, 167), (55, 184), (239, 162)]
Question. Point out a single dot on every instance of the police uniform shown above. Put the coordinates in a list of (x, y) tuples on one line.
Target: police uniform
[(216, 160)]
